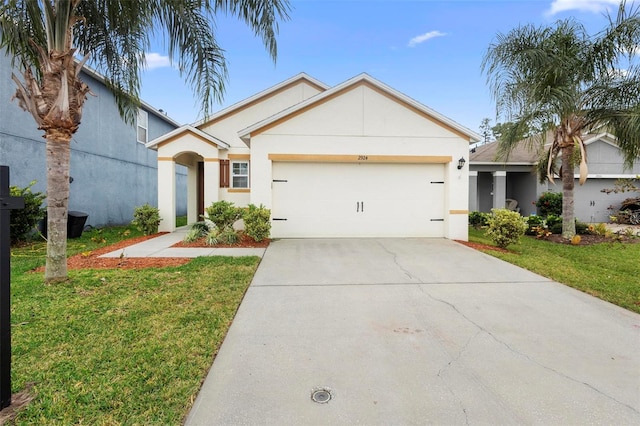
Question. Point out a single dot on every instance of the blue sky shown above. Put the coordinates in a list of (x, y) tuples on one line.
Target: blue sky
[(430, 50)]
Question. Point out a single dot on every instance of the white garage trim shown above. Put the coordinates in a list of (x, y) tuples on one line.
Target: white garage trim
[(361, 158)]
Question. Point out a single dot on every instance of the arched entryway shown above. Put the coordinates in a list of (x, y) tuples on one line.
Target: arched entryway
[(199, 153)]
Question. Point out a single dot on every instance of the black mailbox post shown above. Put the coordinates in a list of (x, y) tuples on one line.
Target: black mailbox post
[(7, 202)]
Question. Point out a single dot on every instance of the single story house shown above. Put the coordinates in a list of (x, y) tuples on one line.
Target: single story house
[(111, 170), (359, 159), (492, 182)]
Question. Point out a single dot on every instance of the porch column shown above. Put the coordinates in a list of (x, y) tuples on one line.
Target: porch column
[(211, 181), (499, 189), (473, 191), (167, 194), (192, 193)]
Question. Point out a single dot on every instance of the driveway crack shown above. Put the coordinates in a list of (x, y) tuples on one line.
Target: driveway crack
[(514, 351), (395, 260)]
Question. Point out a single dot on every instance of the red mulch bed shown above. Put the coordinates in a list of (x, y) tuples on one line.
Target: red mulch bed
[(585, 240), (90, 260), (479, 246), (244, 242)]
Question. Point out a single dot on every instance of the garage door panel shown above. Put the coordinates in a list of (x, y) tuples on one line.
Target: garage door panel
[(357, 200)]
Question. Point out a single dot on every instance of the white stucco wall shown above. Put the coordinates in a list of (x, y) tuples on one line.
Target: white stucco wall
[(226, 126), (365, 122)]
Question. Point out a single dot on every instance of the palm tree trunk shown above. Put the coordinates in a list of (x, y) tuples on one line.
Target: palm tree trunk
[(568, 221), (58, 160)]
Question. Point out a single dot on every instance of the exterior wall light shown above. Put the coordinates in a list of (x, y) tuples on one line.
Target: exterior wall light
[(461, 162)]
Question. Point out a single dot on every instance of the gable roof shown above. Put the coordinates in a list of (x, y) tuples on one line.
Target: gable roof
[(521, 154), (526, 152), (361, 79), (261, 96), (186, 129)]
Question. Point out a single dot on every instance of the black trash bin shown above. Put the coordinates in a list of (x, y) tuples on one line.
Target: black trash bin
[(75, 224)]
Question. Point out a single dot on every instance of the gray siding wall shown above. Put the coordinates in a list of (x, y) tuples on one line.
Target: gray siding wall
[(112, 173), (604, 158)]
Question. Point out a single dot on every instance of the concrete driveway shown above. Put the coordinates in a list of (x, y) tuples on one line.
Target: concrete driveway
[(418, 331)]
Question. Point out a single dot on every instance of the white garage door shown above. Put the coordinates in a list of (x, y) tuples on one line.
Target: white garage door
[(357, 200)]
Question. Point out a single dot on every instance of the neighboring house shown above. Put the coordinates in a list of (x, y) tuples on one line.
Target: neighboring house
[(492, 182), (359, 159), (111, 170)]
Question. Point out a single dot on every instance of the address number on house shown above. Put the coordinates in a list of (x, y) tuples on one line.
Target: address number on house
[(363, 157)]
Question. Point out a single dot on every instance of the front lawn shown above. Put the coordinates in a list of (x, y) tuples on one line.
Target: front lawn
[(608, 270), (113, 346)]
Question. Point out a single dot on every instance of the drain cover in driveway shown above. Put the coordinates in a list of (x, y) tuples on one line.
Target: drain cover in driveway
[(321, 395)]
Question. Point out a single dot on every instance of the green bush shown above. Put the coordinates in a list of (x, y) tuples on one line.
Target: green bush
[(505, 227), (533, 224), (549, 203), (223, 214), (554, 223), (24, 220), (147, 219), (198, 230), (478, 219), (226, 235), (256, 222), (581, 228)]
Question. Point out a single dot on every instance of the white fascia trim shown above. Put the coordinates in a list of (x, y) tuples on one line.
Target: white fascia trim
[(493, 163), (185, 129), (245, 133), (473, 136), (605, 137), (259, 95), (608, 176)]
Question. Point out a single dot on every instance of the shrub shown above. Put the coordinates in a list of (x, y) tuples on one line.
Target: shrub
[(146, 218), (226, 235), (554, 223), (192, 235), (197, 231), (549, 203), (24, 220), (581, 227), (478, 219), (534, 223), (256, 222), (223, 214), (598, 229), (505, 227)]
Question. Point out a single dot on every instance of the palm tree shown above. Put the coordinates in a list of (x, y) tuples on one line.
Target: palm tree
[(46, 38), (563, 82)]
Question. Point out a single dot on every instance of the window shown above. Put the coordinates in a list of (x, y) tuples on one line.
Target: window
[(143, 125), (240, 174)]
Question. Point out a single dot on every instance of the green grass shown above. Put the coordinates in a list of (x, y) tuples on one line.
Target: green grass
[(119, 346), (607, 270)]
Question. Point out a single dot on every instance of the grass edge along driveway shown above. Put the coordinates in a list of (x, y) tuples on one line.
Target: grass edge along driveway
[(119, 346), (607, 270)]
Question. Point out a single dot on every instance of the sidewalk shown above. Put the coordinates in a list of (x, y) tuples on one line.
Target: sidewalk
[(161, 247)]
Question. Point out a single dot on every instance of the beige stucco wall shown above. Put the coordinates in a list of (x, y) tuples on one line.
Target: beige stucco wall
[(365, 122), (226, 127)]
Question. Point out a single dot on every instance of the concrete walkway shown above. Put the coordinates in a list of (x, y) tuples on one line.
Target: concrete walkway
[(418, 331), (161, 247)]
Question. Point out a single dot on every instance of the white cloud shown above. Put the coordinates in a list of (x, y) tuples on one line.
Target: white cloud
[(595, 6), (155, 60), (424, 37)]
